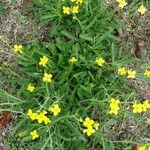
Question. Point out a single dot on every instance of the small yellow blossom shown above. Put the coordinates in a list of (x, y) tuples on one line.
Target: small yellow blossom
[(147, 73), (122, 71), (79, 2), (142, 9), (34, 135), (122, 3), (32, 115), (73, 60), (43, 61), (137, 107), (29, 112), (96, 125), (55, 109), (81, 120), (88, 122), (100, 61), (66, 10), (90, 125), (114, 101), (41, 117), (30, 88), (145, 105), (89, 131), (46, 120), (75, 9), (18, 48), (131, 74), (148, 120), (142, 147), (114, 106), (47, 77)]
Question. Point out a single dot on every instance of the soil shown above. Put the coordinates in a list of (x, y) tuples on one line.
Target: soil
[(18, 28)]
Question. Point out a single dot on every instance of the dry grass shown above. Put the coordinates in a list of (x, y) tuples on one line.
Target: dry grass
[(16, 28)]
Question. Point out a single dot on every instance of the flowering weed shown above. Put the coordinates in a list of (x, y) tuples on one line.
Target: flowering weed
[(75, 93)]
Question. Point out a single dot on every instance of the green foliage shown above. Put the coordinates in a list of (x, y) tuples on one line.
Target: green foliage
[(92, 24), (2, 9), (81, 89)]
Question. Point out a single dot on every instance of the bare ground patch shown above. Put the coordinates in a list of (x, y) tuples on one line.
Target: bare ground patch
[(16, 28)]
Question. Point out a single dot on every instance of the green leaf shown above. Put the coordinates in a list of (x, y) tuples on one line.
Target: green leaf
[(113, 53), (68, 35), (60, 60), (39, 3), (100, 38), (6, 97), (2, 9), (99, 74), (86, 37), (19, 125), (91, 24), (48, 17)]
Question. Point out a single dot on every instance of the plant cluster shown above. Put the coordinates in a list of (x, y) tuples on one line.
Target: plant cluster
[(75, 88)]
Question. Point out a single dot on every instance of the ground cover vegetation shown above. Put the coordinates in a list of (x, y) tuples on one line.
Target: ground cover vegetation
[(73, 88)]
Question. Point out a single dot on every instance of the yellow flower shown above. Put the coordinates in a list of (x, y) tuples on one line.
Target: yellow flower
[(79, 2), (66, 10), (18, 48), (100, 61), (43, 61), (145, 105), (47, 77), (32, 115), (96, 125), (29, 112), (46, 120), (34, 135), (114, 101), (122, 3), (143, 147), (73, 60), (55, 109), (30, 88), (122, 71), (89, 131), (75, 9), (142, 9), (114, 106), (131, 74), (81, 120), (148, 120), (137, 107), (90, 125), (88, 122), (41, 116), (147, 73)]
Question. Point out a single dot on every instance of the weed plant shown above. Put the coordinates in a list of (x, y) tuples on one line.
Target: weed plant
[(75, 93)]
